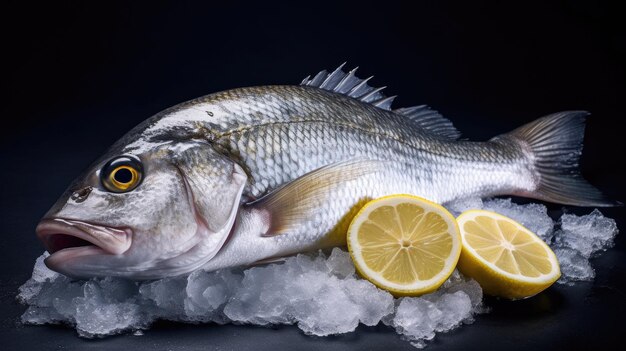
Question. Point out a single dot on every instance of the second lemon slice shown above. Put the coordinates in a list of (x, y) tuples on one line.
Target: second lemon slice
[(404, 244), (505, 258)]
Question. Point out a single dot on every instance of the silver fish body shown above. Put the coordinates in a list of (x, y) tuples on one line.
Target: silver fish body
[(282, 170)]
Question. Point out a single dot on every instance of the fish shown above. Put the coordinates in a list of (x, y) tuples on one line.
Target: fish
[(252, 175)]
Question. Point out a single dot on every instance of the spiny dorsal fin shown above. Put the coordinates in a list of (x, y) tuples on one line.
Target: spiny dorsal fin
[(350, 85), (430, 120)]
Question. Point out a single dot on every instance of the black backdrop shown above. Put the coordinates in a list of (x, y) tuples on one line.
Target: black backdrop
[(77, 76)]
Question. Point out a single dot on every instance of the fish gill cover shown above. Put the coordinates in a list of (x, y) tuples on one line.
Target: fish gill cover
[(318, 292)]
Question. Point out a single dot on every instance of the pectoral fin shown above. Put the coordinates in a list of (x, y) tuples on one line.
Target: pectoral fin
[(292, 204)]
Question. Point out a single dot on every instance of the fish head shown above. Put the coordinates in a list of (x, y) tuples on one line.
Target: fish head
[(164, 211)]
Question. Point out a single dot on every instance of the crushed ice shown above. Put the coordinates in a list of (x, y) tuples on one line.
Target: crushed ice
[(320, 293)]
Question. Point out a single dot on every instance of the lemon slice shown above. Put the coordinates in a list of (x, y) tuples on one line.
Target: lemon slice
[(404, 244), (505, 258)]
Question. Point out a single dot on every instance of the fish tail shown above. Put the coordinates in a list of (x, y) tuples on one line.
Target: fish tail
[(555, 144)]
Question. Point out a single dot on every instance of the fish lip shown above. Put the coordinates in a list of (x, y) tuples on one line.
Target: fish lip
[(104, 240)]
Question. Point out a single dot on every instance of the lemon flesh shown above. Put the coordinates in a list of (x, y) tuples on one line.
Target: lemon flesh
[(505, 258), (404, 244)]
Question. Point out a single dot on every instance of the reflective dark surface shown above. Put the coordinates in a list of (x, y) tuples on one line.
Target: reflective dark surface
[(80, 76)]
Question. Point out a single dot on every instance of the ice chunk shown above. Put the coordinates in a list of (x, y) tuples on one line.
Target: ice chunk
[(99, 311), (95, 307), (574, 266), (457, 282), (41, 274), (340, 264), (587, 234), (304, 290), (207, 293), (418, 318), (580, 238)]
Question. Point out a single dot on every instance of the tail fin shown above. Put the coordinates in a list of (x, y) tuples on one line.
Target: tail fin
[(556, 142)]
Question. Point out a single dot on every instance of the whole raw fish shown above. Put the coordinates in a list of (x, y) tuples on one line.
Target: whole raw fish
[(251, 174)]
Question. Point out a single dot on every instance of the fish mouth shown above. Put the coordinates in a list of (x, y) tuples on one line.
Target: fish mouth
[(65, 239)]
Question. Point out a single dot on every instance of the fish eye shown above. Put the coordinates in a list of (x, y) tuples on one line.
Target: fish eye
[(121, 174)]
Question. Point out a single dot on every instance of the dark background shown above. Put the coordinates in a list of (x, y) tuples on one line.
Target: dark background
[(77, 76)]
